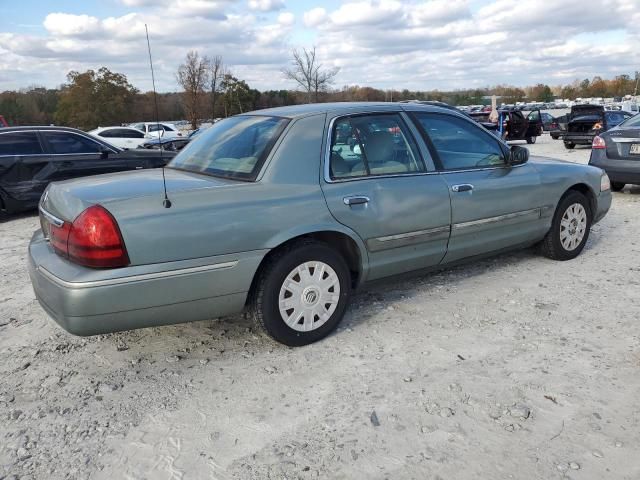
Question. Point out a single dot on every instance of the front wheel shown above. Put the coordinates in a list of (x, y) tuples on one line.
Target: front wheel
[(531, 140), (302, 293), (570, 228), (569, 145), (617, 186)]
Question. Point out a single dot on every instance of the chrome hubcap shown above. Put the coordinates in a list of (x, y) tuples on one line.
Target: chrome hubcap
[(573, 226), (309, 296)]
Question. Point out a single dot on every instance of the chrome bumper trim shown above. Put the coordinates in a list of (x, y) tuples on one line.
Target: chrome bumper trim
[(134, 278), (51, 218)]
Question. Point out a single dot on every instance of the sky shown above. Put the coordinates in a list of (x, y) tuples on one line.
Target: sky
[(388, 44)]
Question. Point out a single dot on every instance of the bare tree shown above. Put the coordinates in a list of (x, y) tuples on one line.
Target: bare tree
[(307, 72), (193, 76), (216, 75)]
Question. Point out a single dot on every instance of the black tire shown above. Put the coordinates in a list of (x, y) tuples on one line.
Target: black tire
[(531, 140), (569, 145), (264, 303), (555, 137), (617, 186), (551, 246)]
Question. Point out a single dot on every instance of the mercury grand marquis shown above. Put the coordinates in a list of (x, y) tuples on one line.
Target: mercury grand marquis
[(286, 211)]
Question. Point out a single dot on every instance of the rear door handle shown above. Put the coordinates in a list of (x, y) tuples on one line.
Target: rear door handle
[(356, 200), (463, 187)]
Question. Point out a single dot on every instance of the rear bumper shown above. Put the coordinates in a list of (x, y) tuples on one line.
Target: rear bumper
[(87, 302), (579, 138), (620, 171)]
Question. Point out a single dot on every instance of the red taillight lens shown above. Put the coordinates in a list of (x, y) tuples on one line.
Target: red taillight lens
[(598, 143), (95, 240), (92, 240), (59, 236)]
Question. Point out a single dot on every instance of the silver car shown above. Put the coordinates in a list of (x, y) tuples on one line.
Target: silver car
[(286, 211)]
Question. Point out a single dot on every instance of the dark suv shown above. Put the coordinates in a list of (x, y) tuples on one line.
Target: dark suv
[(31, 157)]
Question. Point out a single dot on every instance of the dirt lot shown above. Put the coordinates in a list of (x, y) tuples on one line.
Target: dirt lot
[(514, 367)]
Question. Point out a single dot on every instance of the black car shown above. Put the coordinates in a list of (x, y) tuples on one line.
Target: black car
[(587, 121), (617, 152), (31, 157)]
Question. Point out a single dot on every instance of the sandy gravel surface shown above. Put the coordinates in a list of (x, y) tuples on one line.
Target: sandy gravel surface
[(513, 367)]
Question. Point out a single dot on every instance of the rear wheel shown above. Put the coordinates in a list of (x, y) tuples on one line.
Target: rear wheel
[(570, 228), (569, 145), (617, 186), (555, 137), (302, 293), (531, 140)]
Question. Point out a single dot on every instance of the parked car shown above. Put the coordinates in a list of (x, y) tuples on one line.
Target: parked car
[(158, 130), (587, 121), (546, 118), (3, 122), (558, 127), (273, 211), (123, 137), (31, 157), (512, 125), (617, 152), (173, 144)]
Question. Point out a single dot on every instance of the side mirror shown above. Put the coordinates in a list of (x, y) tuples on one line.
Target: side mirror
[(518, 155), (104, 152)]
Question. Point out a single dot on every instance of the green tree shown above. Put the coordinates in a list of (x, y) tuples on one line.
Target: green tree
[(93, 99)]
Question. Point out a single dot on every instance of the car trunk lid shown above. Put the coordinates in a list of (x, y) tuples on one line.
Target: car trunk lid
[(67, 199), (623, 144)]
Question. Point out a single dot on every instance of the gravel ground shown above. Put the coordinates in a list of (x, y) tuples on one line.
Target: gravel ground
[(513, 367)]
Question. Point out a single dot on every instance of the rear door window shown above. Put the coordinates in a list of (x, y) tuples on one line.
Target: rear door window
[(376, 144), (459, 143), (20, 143), (70, 143)]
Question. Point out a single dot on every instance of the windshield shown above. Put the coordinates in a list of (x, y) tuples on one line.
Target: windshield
[(631, 122), (235, 147)]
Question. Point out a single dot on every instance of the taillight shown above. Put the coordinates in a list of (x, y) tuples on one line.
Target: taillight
[(598, 143), (59, 236), (92, 240)]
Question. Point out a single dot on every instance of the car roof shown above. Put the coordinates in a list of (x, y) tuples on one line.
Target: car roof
[(339, 108), (40, 127)]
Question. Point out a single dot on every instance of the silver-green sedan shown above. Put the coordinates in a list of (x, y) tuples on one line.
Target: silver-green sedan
[(285, 212)]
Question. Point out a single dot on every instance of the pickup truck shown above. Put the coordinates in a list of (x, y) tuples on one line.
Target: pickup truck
[(586, 121)]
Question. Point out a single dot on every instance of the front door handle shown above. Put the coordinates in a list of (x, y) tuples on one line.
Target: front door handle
[(356, 200), (463, 187)]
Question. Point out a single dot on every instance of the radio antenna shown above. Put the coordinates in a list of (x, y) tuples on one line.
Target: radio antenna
[(166, 202)]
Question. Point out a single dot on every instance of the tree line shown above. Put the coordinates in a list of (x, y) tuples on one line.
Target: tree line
[(210, 90)]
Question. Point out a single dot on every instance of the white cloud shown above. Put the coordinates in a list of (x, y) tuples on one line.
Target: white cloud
[(266, 5), (286, 18), (315, 17), (65, 24), (410, 44)]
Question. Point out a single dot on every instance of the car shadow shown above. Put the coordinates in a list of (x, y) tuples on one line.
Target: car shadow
[(5, 217)]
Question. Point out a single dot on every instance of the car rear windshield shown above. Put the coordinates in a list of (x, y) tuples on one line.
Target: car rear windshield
[(235, 147), (631, 122)]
